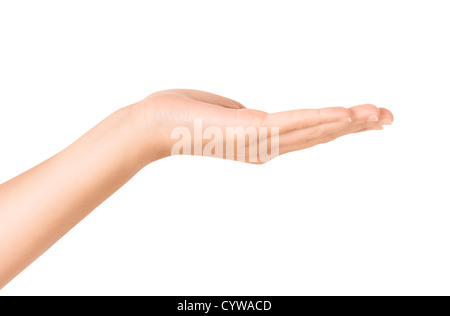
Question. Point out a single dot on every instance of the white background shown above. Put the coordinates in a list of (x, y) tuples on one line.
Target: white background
[(366, 214)]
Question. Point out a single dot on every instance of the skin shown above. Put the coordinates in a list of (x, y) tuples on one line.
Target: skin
[(39, 206)]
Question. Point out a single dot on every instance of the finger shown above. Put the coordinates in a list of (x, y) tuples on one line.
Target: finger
[(299, 136), (208, 97), (376, 127), (365, 113), (297, 119), (386, 117), (286, 146), (321, 140), (360, 113)]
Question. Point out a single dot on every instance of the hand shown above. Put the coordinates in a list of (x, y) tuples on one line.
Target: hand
[(167, 110), (39, 206)]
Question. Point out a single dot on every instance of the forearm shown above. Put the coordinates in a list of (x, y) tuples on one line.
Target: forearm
[(39, 206)]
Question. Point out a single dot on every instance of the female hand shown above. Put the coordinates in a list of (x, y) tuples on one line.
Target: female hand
[(167, 113)]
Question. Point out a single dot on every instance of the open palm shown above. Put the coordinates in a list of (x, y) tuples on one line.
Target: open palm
[(166, 110)]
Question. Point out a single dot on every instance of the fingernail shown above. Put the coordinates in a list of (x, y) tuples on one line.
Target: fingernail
[(372, 118), (378, 127), (345, 119), (386, 121)]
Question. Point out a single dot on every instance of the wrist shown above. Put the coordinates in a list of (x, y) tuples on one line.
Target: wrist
[(145, 139)]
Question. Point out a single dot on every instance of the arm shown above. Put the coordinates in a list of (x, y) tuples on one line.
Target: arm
[(39, 206)]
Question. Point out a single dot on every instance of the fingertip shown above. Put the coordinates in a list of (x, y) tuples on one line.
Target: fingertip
[(365, 113), (342, 114), (386, 117), (348, 114), (239, 105), (386, 113), (373, 109)]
